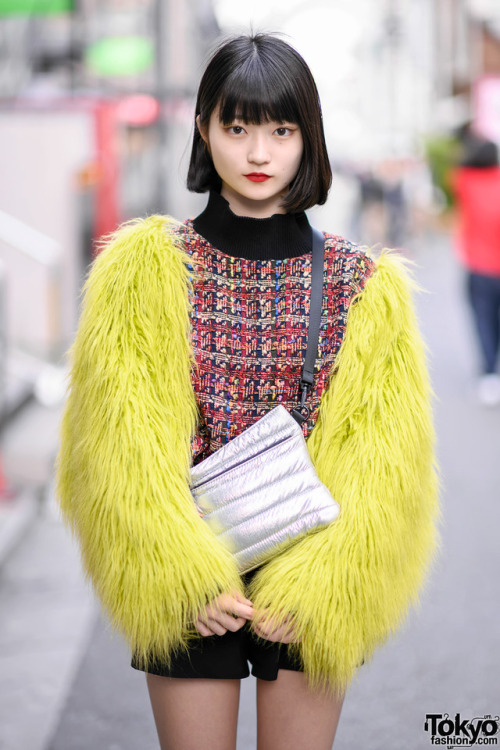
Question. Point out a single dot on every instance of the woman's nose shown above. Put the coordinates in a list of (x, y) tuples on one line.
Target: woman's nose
[(258, 152)]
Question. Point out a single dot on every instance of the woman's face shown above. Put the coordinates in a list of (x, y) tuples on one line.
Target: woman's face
[(256, 163)]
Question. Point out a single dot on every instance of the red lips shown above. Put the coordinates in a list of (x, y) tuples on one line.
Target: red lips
[(258, 176)]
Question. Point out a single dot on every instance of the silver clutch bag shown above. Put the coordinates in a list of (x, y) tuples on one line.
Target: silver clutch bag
[(261, 490)]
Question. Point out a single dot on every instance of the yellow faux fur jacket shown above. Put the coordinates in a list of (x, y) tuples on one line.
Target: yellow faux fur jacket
[(124, 462)]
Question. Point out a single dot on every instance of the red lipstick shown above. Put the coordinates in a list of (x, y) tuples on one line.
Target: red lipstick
[(257, 176)]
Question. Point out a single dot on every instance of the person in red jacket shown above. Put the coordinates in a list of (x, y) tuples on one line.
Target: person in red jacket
[(476, 184)]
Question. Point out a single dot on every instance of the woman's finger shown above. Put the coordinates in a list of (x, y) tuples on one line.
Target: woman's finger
[(229, 606), (216, 627), (290, 637), (203, 629), (265, 630), (235, 623), (227, 621), (285, 633), (269, 626), (274, 635), (241, 598), (280, 637), (238, 605), (227, 612)]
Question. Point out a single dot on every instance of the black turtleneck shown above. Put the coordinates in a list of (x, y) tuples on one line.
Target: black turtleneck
[(277, 237)]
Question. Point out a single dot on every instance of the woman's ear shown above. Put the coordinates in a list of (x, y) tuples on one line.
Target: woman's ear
[(202, 129)]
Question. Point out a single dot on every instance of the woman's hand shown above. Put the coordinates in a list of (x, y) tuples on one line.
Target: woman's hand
[(227, 612), (265, 628)]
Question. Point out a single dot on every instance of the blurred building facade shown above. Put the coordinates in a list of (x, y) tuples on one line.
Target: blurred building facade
[(467, 52), (96, 107)]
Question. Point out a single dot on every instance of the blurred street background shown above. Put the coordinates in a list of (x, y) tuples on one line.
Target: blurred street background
[(96, 115)]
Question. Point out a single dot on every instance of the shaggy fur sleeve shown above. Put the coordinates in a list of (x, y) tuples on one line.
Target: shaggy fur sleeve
[(123, 466), (350, 585)]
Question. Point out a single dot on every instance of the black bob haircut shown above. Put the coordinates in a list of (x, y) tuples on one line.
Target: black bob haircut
[(258, 79)]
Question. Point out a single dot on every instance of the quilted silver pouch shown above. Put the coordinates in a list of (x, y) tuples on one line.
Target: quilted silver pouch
[(261, 490)]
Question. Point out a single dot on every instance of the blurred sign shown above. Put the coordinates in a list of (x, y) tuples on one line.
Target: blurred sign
[(139, 110), (35, 7), (487, 107), (120, 56)]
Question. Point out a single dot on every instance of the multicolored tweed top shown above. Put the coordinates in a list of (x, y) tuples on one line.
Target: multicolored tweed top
[(249, 330)]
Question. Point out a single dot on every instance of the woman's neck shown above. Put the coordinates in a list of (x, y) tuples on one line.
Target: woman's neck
[(275, 237)]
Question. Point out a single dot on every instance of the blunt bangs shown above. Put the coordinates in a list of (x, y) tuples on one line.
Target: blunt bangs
[(260, 79), (255, 95)]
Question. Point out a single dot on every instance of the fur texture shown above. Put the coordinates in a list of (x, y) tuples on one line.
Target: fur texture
[(351, 585), (125, 448), (123, 467)]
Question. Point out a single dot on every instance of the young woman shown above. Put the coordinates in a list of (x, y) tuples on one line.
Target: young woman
[(189, 334)]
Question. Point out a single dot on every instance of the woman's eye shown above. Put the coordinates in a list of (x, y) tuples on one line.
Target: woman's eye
[(282, 131), (236, 129)]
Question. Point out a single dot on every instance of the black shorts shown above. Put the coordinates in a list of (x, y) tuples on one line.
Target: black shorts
[(227, 656)]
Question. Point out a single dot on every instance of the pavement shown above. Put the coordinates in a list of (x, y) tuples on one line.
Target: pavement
[(65, 679), (28, 445)]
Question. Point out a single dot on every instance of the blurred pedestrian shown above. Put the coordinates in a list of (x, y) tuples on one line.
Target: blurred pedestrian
[(158, 383), (476, 183), (371, 218)]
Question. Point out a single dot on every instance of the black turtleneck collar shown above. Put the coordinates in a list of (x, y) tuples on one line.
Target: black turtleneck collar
[(278, 237)]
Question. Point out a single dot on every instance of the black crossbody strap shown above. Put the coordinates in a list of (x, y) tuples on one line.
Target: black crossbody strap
[(301, 413)]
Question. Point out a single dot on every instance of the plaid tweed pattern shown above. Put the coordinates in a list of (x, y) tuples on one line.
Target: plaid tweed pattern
[(249, 325)]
